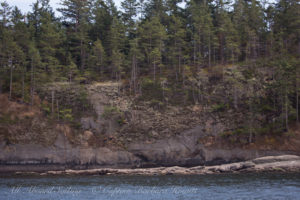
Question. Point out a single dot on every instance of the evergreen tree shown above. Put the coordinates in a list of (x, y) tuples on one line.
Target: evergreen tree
[(76, 16), (5, 14), (136, 58), (50, 41), (102, 20), (22, 38), (287, 25), (227, 35), (7, 45), (156, 8), (202, 27), (116, 46), (152, 37), (35, 60), (240, 22), (162, 41), (248, 18), (176, 44), (97, 57), (130, 8)]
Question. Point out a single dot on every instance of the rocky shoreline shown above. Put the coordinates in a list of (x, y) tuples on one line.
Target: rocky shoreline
[(283, 163)]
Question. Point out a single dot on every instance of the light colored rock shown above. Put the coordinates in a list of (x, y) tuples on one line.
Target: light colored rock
[(249, 166), (87, 135), (270, 159), (88, 123), (154, 133)]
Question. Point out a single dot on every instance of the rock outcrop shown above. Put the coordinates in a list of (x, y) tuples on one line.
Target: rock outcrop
[(182, 150), (284, 163), (62, 154), (117, 133)]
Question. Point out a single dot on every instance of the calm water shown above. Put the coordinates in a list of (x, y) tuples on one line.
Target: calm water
[(243, 186)]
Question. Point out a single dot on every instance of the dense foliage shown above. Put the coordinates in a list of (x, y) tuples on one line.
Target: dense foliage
[(160, 49)]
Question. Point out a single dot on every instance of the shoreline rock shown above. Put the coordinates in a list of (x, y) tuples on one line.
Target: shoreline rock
[(283, 163), (182, 150)]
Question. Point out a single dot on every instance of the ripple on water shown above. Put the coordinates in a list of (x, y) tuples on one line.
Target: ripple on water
[(221, 186)]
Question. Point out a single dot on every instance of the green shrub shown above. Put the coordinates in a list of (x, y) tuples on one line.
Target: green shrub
[(109, 111), (82, 99), (219, 107), (6, 119), (46, 109), (151, 90), (66, 114), (121, 120), (266, 108), (155, 104), (76, 125)]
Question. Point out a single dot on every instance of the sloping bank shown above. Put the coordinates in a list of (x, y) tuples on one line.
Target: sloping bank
[(182, 150)]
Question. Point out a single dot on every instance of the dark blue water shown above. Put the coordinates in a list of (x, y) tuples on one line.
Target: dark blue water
[(225, 186)]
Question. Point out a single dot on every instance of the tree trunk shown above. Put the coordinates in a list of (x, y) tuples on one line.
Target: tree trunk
[(118, 81), (23, 85), (286, 111), (221, 50), (154, 71), (11, 77), (274, 99), (209, 52), (235, 98), (0, 78), (163, 91), (200, 99), (183, 74), (52, 102), (251, 114), (32, 82), (134, 74), (179, 64), (57, 109), (282, 109), (194, 52), (297, 102), (251, 124), (214, 55), (81, 55)]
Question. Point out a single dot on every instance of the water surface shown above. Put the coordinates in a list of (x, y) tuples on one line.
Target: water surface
[(221, 186)]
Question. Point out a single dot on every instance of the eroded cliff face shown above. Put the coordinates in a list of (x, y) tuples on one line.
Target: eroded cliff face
[(62, 154), (181, 150), (119, 132)]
